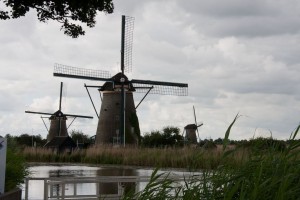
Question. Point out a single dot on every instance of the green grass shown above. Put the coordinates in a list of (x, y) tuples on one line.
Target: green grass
[(267, 175), (188, 158), (271, 172)]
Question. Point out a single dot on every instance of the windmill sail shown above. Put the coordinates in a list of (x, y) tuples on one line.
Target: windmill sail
[(80, 73), (160, 87), (126, 43)]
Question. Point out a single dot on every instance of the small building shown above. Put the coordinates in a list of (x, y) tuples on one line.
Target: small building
[(60, 144)]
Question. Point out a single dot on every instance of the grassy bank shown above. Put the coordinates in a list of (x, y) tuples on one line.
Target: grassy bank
[(270, 172), (262, 168), (267, 174), (189, 158)]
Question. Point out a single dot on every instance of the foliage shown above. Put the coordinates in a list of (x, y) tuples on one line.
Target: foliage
[(159, 186), (168, 137), (275, 175), (188, 158), (263, 144), (66, 12), (268, 174), (16, 169), (79, 136), (26, 140), (209, 144), (226, 138)]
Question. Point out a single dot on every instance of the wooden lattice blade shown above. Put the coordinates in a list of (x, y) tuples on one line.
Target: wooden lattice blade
[(80, 73), (160, 87)]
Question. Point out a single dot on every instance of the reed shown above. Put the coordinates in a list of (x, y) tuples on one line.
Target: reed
[(261, 173), (187, 157)]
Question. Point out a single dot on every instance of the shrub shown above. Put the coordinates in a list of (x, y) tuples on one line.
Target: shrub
[(16, 170), (263, 144)]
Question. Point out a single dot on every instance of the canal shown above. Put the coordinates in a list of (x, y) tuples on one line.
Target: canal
[(36, 187)]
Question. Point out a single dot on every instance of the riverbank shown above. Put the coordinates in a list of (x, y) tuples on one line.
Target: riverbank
[(264, 170), (179, 158)]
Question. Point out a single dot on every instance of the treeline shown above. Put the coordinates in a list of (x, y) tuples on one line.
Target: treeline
[(169, 136), (27, 140)]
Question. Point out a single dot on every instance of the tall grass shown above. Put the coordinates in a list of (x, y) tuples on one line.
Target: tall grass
[(188, 158), (268, 173)]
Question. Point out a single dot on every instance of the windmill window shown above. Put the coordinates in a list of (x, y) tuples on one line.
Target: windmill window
[(105, 109)]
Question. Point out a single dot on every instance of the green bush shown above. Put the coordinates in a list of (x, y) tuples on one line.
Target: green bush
[(16, 170), (263, 144)]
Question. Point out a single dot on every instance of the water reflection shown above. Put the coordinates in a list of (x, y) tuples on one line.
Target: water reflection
[(36, 187), (112, 188)]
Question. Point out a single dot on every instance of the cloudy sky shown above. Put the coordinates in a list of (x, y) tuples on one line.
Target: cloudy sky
[(237, 57)]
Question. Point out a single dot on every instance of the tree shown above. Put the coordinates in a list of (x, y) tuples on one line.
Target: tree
[(66, 12), (80, 137), (29, 140), (168, 137), (16, 167)]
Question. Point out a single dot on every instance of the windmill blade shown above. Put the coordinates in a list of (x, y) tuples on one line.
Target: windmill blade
[(80, 73), (195, 115), (196, 123), (81, 116), (159, 87), (126, 43), (40, 113), (200, 125)]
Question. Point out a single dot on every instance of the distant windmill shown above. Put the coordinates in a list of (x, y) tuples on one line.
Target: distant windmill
[(58, 119), (118, 119), (190, 130)]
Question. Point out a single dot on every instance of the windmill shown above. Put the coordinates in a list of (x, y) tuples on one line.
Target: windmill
[(190, 130), (118, 111), (58, 119)]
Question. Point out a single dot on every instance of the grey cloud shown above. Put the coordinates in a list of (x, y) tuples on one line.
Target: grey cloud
[(243, 18), (230, 8)]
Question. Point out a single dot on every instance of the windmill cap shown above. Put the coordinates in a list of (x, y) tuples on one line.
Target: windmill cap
[(191, 126), (117, 80), (58, 114)]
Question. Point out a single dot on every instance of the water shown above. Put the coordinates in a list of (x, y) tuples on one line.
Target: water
[(36, 187)]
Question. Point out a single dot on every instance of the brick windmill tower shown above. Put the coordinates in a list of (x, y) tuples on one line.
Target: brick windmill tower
[(118, 121)]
